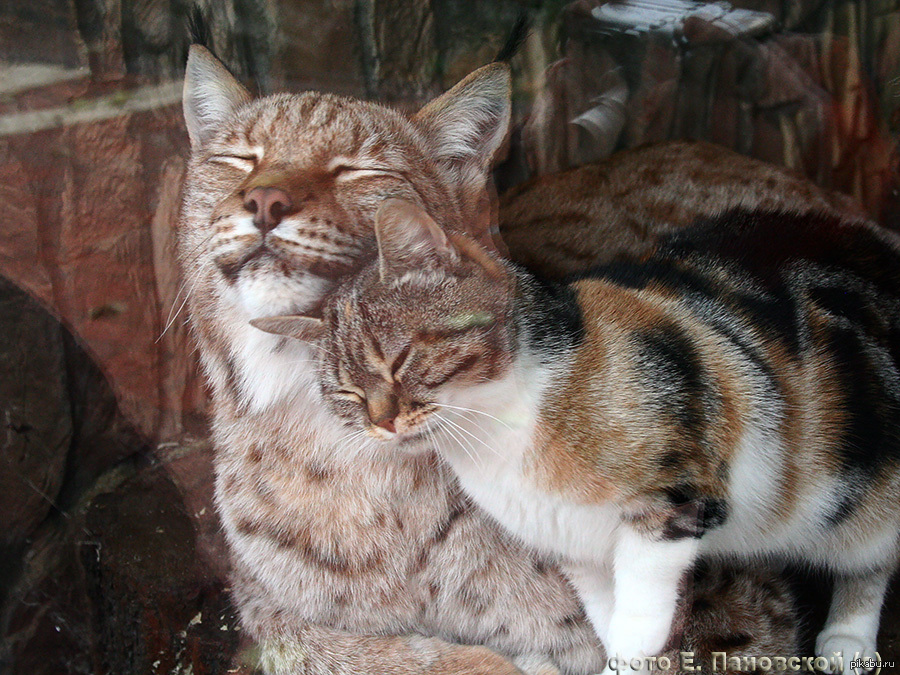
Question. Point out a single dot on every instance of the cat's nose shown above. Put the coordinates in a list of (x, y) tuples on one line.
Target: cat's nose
[(387, 425), (268, 206)]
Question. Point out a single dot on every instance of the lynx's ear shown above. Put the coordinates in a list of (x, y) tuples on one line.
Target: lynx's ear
[(306, 328), (408, 239), (469, 123), (211, 94)]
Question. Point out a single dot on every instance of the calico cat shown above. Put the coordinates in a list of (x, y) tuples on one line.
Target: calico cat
[(737, 393), (345, 562)]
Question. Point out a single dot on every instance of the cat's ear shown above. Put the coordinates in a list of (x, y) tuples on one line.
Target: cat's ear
[(408, 238), (211, 95), (468, 124), (305, 328)]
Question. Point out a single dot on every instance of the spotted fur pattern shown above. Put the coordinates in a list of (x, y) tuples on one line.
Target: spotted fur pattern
[(346, 560), (735, 394), (599, 213)]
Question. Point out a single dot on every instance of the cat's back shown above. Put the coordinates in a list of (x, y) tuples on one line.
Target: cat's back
[(768, 245), (776, 270)]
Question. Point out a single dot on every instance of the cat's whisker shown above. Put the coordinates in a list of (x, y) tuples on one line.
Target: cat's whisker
[(469, 433), (351, 435), (429, 430), (443, 428), (477, 412), (464, 445), (470, 417), (193, 255)]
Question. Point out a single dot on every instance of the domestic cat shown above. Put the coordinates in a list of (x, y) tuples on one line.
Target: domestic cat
[(736, 393), (343, 562)]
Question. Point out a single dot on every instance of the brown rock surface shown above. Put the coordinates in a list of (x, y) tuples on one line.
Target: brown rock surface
[(37, 422)]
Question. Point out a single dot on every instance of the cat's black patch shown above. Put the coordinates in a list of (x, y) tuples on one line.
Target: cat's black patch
[(674, 374), (701, 605), (845, 304), (661, 271), (554, 317), (680, 495), (846, 507), (871, 434), (692, 275), (671, 460), (714, 513), (743, 344)]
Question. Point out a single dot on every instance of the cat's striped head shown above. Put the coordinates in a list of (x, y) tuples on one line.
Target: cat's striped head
[(417, 335), (281, 193)]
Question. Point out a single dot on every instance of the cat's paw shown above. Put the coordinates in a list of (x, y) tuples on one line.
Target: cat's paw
[(840, 640), (536, 664)]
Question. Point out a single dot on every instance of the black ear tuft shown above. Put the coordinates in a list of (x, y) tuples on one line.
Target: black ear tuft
[(517, 36), (198, 28)]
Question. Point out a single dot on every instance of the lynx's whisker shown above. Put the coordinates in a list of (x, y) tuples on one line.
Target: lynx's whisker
[(173, 316)]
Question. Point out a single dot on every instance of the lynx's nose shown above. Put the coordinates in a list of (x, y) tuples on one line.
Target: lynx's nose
[(268, 206)]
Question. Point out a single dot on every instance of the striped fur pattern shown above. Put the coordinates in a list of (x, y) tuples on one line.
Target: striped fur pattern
[(735, 394), (346, 560)]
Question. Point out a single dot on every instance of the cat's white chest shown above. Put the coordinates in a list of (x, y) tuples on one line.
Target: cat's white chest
[(541, 519), (493, 458)]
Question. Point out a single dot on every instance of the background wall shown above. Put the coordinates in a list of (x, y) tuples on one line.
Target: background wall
[(110, 560)]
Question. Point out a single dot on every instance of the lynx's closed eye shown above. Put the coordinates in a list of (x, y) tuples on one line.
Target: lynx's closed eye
[(242, 162), (344, 170)]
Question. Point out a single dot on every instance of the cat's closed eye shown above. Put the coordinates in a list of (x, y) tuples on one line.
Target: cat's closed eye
[(351, 394), (400, 362)]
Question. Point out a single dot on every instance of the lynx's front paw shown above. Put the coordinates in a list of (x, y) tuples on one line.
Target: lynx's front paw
[(841, 640)]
